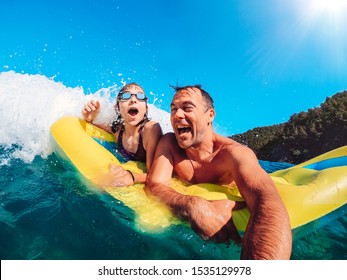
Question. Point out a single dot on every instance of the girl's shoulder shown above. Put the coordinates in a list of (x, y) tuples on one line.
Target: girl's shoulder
[(152, 128), (151, 125)]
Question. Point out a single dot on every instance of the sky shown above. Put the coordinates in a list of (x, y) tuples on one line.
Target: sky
[(262, 61)]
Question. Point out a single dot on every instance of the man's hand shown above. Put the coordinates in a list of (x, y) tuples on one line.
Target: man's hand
[(117, 177), (213, 219)]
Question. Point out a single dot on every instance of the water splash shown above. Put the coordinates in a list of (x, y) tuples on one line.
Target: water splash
[(30, 104)]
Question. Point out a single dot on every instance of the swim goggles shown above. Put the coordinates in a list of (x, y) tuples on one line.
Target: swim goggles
[(126, 95)]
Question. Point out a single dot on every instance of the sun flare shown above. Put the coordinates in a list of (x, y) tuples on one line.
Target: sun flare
[(326, 15), (334, 8), (325, 21)]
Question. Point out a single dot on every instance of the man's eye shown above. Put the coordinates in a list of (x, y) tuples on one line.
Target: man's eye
[(188, 108)]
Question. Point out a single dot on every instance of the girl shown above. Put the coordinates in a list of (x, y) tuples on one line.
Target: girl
[(136, 135)]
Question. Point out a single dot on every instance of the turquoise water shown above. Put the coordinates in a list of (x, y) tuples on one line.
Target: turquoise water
[(47, 212)]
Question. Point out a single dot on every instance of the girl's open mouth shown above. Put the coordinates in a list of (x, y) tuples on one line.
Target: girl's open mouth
[(133, 112)]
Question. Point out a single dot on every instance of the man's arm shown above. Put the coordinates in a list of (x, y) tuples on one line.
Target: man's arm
[(151, 135), (210, 219), (159, 176), (268, 233)]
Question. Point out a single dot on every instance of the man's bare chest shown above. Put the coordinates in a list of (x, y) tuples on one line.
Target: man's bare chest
[(207, 172)]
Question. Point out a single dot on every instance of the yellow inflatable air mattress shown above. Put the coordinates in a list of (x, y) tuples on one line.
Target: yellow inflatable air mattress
[(309, 191)]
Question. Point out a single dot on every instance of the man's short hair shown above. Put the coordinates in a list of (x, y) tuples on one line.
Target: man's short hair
[(205, 95)]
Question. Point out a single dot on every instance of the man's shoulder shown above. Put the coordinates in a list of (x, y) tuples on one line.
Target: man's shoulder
[(169, 137), (233, 147), (228, 143), (169, 143)]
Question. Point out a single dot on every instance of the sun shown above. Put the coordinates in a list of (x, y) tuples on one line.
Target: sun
[(326, 22), (332, 8), (326, 15)]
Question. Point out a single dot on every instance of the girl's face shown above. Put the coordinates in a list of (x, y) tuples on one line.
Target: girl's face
[(132, 105)]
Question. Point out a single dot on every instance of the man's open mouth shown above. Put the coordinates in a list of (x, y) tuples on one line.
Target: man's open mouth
[(133, 112), (183, 129)]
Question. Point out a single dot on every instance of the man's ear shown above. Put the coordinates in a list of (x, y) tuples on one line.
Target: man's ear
[(211, 114)]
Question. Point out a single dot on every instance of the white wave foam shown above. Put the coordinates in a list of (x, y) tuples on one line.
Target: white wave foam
[(30, 104)]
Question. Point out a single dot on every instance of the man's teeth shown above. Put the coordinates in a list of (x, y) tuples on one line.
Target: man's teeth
[(183, 129)]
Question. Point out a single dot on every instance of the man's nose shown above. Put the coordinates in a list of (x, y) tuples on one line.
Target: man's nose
[(179, 113)]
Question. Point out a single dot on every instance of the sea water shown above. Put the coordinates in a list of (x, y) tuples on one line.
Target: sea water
[(47, 212)]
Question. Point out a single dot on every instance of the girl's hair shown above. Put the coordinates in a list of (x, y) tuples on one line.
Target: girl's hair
[(118, 122)]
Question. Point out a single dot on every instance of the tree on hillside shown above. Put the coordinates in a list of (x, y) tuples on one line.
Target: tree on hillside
[(304, 136)]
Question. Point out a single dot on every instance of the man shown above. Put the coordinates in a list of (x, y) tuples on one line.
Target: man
[(196, 154)]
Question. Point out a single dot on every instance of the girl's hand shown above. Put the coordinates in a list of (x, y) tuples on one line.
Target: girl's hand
[(91, 110)]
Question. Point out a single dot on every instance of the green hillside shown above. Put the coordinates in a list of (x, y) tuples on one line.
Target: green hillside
[(304, 136)]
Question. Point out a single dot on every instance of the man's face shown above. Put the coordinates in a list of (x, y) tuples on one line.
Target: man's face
[(189, 117)]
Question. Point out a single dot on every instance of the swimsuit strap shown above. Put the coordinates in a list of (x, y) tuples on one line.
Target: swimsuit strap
[(140, 154)]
